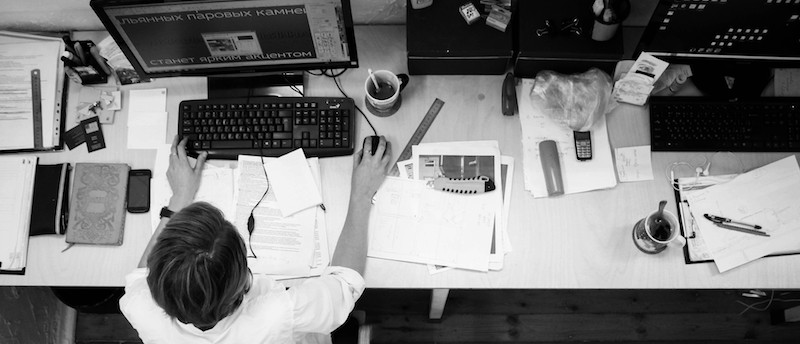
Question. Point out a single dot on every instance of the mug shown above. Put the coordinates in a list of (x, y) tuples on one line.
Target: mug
[(655, 233), (384, 100)]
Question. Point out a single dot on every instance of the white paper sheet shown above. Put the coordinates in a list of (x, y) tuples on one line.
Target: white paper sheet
[(578, 176), (766, 196), (633, 164), (293, 183), (147, 130), (147, 100), (412, 222)]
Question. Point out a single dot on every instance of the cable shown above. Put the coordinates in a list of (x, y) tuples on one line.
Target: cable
[(336, 81), (251, 221), (755, 306)]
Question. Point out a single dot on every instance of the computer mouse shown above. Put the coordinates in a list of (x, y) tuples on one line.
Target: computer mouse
[(374, 141), (509, 95), (551, 166)]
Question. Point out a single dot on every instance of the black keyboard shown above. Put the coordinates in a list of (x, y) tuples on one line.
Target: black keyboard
[(268, 126), (698, 124)]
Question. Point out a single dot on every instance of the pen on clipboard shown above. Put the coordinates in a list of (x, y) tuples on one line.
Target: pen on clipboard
[(727, 223)]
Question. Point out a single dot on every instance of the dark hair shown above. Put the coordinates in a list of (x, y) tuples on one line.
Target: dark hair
[(198, 266)]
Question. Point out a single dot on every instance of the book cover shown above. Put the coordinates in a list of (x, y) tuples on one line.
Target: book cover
[(97, 204)]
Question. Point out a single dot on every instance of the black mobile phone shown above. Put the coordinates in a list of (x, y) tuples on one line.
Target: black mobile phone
[(583, 145), (139, 191)]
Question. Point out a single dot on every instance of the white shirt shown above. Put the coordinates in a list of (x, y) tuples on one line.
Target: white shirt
[(268, 314)]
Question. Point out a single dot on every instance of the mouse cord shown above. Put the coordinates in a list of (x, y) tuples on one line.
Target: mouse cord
[(336, 81), (251, 221)]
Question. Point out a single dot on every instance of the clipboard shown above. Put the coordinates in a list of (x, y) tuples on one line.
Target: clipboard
[(694, 251)]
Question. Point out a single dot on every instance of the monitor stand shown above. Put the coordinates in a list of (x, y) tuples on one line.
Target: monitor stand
[(731, 81), (283, 84)]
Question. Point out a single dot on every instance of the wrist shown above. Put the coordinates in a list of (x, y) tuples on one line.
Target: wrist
[(176, 203)]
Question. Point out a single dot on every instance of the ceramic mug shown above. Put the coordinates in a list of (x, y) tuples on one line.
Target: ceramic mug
[(384, 99), (655, 232)]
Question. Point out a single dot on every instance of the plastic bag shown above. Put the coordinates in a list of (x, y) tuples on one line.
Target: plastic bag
[(575, 100)]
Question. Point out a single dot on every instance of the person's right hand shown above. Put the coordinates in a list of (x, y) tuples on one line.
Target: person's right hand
[(369, 170), (184, 179)]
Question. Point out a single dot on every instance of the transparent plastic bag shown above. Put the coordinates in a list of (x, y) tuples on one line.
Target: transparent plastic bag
[(575, 100)]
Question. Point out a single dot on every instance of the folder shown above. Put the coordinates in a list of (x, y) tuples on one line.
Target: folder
[(31, 116)]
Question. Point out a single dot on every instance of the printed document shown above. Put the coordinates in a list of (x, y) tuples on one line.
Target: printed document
[(289, 246), (414, 223), (766, 196), (19, 55)]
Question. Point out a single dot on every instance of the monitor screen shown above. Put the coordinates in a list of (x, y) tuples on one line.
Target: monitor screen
[(174, 38), (731, 45), (763, 32)]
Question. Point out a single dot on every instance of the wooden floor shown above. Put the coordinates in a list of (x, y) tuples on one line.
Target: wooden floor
[(544, 316)]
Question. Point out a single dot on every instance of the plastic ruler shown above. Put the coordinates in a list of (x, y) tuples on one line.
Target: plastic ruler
[(415, 139), (36, 97)]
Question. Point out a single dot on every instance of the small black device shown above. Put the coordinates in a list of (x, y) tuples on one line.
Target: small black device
[(509, 95), (583, 145), (139, 191)]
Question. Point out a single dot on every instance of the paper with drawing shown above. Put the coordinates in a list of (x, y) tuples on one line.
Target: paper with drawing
[(766, 196)]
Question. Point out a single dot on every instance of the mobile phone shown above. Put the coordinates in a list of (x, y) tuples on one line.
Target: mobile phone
[(139, 191), (583, 145)]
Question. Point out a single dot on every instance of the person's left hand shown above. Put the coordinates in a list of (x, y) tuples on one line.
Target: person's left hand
[(183, 178)]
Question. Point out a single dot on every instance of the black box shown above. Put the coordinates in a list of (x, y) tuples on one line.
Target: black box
[(439, 41), (561, 51)]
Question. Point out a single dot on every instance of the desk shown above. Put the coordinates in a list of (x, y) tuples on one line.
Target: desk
[(574, 241)]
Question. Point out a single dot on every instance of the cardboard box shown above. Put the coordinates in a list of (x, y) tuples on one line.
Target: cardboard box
[(440, 42)]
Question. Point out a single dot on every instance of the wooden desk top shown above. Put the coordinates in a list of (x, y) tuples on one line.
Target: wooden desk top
[(575, 241)]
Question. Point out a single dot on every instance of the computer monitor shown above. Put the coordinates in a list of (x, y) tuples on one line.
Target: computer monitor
[(268, 41), (732, 45)]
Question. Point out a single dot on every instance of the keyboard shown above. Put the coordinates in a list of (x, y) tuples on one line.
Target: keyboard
[(268, 126), (768, 124)]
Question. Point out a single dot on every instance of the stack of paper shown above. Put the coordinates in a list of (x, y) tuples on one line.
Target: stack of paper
[(412, 222), (290, 236), (766, 196), (21, 127), (578, 176), (16, 180)]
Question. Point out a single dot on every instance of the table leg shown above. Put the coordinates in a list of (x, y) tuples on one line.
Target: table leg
[(438, 299)]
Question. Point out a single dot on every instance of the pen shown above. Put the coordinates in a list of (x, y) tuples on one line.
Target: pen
[(729, 224), (720, 219), (741, 229)]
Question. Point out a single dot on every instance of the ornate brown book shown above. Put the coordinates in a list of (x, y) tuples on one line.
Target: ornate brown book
[(97, 204)]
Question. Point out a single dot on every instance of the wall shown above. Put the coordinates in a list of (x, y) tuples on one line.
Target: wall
[(65, 15)]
